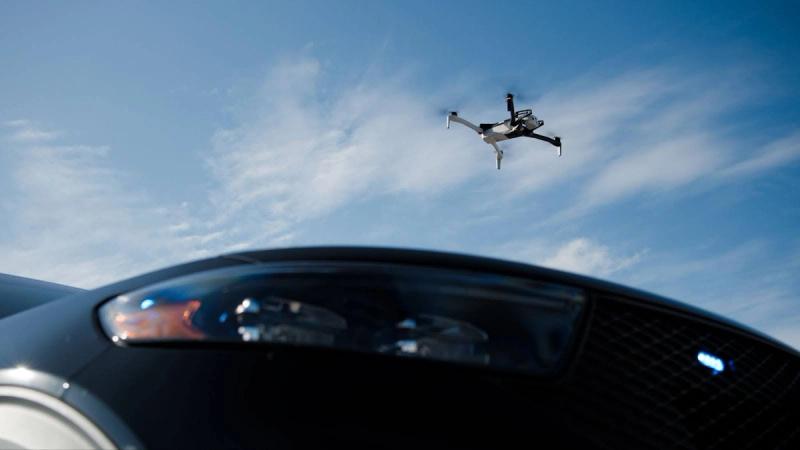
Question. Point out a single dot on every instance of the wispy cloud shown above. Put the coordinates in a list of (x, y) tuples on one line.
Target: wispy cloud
[(581, 255), (649, 131), (25, 131), (72, 219), (587, 257), (665, 165), (16, 123), (304, 154), (773, 154)]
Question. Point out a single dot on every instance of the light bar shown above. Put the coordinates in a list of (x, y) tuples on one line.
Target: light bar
[(714, 363), (407, 311)]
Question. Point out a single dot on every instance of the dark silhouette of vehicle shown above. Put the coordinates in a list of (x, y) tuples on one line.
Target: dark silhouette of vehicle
[(383, 348)]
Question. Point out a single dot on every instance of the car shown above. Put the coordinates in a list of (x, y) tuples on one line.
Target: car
[(358, 347), (19, 293)]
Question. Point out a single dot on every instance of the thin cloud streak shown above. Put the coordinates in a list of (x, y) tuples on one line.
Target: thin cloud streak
[(773, 155), (581, 255), (584, 256), (29, 133)]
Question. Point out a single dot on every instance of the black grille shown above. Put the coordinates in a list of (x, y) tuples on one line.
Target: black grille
[(637, 383)]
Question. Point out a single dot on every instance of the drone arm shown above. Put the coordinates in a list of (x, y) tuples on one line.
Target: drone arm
[(556, 141), (454, 118)]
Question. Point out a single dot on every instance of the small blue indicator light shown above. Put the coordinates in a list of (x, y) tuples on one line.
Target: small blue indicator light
[(223, 317), (146, 303), (711, 361)]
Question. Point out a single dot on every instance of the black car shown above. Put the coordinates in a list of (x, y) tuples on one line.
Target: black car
[(384, 348)]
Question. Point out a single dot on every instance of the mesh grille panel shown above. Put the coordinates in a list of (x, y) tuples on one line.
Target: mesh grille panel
[(638, 383)]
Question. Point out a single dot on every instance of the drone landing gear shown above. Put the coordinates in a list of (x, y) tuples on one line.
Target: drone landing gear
[(498, 153)]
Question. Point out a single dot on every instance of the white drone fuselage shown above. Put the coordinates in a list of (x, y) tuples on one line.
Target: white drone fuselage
[(499, 132)]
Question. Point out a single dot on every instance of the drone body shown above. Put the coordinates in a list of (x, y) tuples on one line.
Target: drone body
[(520, 123)]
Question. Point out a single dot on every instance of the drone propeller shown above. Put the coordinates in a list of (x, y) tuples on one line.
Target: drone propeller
[(444, 111), (454, 101), (522, 91)]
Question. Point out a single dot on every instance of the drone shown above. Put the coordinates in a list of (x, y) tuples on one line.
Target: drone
[(521, 123)]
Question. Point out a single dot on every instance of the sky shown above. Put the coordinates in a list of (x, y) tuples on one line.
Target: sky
[(137, 135)]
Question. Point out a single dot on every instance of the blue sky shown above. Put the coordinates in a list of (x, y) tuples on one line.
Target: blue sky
[(135, 135)]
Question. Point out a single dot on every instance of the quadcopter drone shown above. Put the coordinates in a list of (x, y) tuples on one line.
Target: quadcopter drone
[(521, 123)]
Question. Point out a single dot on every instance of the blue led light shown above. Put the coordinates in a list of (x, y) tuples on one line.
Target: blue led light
[(146, 303), (714, 363)]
